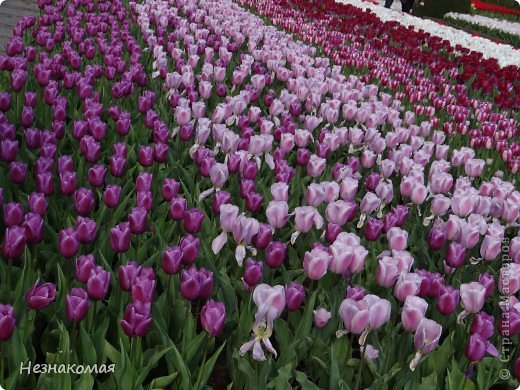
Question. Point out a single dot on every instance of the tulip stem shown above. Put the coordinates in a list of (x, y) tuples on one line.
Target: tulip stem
[(9, 269), (361, 361)]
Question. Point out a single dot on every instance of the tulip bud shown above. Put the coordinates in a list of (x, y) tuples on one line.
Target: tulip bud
[(456, 254), (483, 324), (213, 317), (136, 321), (172, 260), (220, 198), (373, 229), (37, 203), (13, 214), (253, 272), (189, 246), (137, 220), (275, 254), (127, 274), (321, 317), (488, 281), (316, 263), (120, 237), (448, 300), (98, 283), (414, 310), (170, 189), (112, 195), (177, 208), (83, 201), (437, 237), (7, 322), (76, 304), (294, 296), (40, 295), (190, 284), (68, 242), (193, 220)]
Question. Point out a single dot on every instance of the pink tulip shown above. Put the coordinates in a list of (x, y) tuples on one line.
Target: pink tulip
[(316, 262), (414, 310), (321, 317)]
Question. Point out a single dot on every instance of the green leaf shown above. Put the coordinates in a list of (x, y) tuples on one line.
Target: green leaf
[(304, 329), (206, 370), (163, 381), (304, 382), (152, 361), (85, 382), (88, 352)]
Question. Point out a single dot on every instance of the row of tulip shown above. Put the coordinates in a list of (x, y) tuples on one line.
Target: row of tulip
[(345, 255)]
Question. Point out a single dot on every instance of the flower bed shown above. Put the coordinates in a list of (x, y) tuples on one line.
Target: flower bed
[(193, 196), (508, 32)]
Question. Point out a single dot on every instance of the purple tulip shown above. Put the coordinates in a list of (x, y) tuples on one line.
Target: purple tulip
[(437, 237), (84, 201), (86, 228), (189, 246), (356, 293), (448, 300), (144, 182), (76, 304), (17, 171), (127, 274), (40, 295), (483, 324), (275, 254), (253, 272), (137, 220), (206, 283), (137, 320), (7, 322), (170, 189), (68, 242), (220, 198), (37, 203), (455, 254), (5, 101), (117, 166), (96, 175), (294, 296), (143, 289), (67, 183), (373, 229), (213, 317), (13, 214), (120, 237), (488, 281), (193, 220), (177, 208), (263, 238), (14, 242), (84, 264), (98, 283), (33, 225), (190, 284), (172, 260), (478, 347), (111, 196)]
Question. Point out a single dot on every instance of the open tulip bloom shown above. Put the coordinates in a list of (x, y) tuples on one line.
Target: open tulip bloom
[(187, 181)]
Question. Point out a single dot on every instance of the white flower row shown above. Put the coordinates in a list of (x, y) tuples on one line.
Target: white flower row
[(505, 54), (494, 24)]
